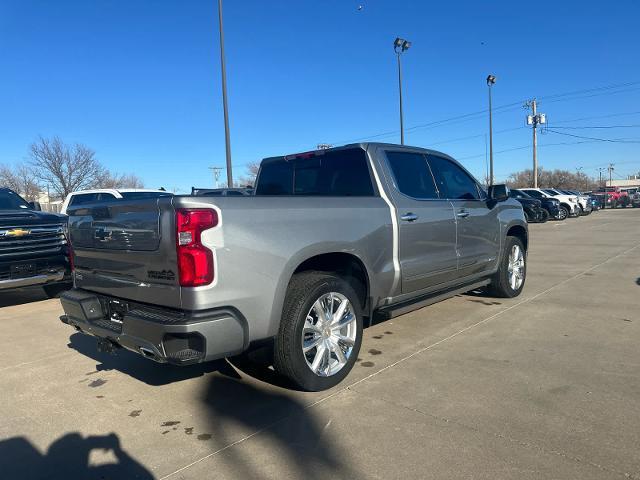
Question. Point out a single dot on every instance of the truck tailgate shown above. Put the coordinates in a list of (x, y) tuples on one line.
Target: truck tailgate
[(126, 248)]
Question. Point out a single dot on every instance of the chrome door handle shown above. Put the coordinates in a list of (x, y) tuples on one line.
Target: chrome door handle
[(462, 214), (409, 217)]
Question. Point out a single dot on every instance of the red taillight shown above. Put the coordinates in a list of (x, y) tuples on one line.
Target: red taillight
[(195, 261), (67, 237), (70, 252)]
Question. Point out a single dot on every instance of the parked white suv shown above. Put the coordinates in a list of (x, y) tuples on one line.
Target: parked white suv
[(105, 194), (584, 201), (568, 203)]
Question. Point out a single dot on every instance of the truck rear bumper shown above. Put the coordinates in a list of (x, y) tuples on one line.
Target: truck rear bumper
[(164, 335)]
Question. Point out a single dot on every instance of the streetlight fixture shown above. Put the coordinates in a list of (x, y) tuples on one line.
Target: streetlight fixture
[(491, 80), (400, 45)]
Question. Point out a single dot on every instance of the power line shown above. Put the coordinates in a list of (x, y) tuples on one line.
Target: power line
[(543, 145), (604, 90), (453, 140), (599, 126), (597, 117), (612, 140), (594, 89), (590, 96)]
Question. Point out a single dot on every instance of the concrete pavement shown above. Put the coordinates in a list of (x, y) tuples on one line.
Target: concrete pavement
[(542, 386)]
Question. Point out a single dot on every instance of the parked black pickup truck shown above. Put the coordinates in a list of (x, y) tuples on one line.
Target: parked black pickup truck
[(33, 246)]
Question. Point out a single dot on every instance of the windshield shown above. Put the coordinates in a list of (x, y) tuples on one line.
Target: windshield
[(550, 191), (518, 194), (10, 200)]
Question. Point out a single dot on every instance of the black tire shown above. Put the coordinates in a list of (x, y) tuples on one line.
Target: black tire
[(54, 290), (563, 213), (289, 360), (544, 216), (500, 286)]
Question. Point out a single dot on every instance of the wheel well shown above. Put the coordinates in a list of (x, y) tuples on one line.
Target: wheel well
[(347, 266), (520, 232), (567, 206)]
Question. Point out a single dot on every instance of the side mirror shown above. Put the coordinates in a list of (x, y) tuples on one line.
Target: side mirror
[(498, 193), (35, 206)]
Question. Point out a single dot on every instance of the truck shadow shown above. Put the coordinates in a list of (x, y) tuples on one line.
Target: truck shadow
[(21, 296), (68, 458), (135, 366), (283, 425), (157, 374)]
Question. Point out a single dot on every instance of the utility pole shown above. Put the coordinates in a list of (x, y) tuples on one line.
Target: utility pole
[(600, 170), (611, 169), (223, 68), (216, 175), (534, 120), (491, 80), (578, 170)]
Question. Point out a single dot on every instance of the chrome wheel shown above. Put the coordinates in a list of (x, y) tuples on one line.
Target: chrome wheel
[(329, 334), (516, 269), (563, 213)]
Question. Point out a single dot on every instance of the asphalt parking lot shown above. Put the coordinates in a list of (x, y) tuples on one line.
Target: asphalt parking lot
[(546, 385)]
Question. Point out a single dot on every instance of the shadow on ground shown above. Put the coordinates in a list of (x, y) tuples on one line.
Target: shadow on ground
[(289, 432), (68, 458), (136, 366), (152, 373), (21, 296)]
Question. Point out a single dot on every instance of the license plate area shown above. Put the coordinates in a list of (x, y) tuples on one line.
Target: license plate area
[(115, 310), (22, 270)]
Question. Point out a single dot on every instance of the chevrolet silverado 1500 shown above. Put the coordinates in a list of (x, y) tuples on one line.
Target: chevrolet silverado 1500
[(329, 241)]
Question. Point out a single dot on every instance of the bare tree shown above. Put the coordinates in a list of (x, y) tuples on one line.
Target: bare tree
[(250, 177), (563, 179), (114, 180), (20, 179), (64, 168)]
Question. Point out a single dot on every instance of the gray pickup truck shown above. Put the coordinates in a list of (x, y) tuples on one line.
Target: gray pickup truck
[(330, 241)]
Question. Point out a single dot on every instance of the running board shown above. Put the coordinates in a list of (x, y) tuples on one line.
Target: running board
[(425, 300)]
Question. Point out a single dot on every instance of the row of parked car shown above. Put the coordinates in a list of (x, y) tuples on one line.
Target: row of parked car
[(542, 204)]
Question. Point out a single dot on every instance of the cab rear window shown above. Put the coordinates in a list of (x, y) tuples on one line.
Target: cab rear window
[(339, 173)]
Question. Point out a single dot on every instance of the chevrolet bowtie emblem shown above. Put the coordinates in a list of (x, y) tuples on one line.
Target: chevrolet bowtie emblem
[(17, 232)]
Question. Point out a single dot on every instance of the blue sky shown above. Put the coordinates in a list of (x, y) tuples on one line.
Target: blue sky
[(139, 81)]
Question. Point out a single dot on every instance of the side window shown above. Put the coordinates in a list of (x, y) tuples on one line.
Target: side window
[(534, 193), (83, 199), (453, 180), (234, 193), (105, 197), (412, 175)]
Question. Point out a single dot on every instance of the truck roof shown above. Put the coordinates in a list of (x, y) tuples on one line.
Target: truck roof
[(362, 145)]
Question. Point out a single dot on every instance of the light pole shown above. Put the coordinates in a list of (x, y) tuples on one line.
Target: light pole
[(578, 172), (491, 80), (400, 45), (227, 141)]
